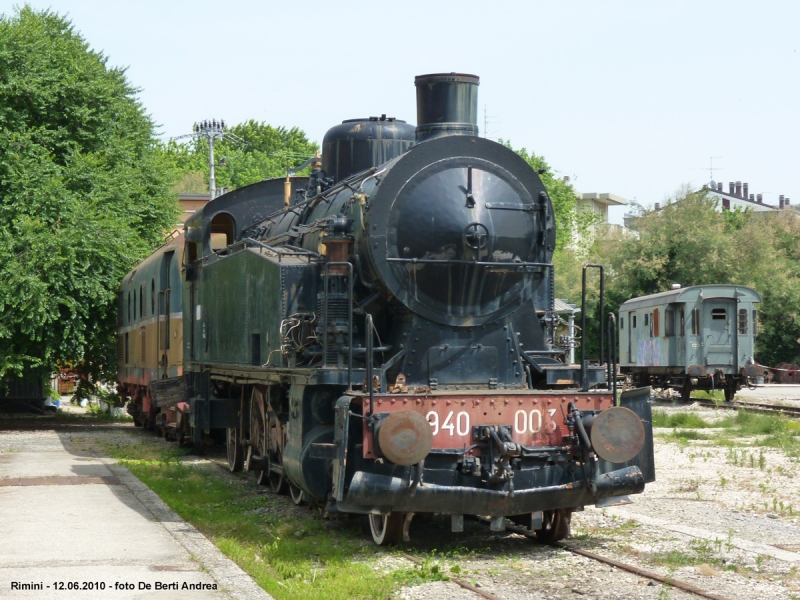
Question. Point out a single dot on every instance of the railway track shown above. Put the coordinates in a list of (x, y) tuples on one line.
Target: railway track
[(792, 411)]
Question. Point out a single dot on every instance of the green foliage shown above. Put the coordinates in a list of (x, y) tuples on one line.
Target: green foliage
[(691, 243), (568, 219), (266, 152), (84, 193)]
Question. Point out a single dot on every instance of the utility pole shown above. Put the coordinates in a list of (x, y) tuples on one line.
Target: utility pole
[(211, 131)]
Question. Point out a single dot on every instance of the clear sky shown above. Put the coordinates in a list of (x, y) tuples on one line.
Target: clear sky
[(631, 98)]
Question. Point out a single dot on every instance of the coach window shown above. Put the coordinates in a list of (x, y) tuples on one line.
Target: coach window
[(683, 324), (718, 314), (742, 321), (695, 321), (129, 307), (141, 301), (153, 296), (634, 321), (755, 323), (669, 323), (654, 324), (222, 228)]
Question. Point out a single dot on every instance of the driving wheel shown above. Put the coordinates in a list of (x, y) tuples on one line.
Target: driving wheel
[(233, 442)]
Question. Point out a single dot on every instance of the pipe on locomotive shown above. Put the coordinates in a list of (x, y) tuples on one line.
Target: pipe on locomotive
[(584, 366), (612, 355)]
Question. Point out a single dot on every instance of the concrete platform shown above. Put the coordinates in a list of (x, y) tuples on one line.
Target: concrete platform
[(85, 521)]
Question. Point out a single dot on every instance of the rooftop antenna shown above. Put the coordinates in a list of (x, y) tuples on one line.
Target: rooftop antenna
[(212, 131), (486, 120)]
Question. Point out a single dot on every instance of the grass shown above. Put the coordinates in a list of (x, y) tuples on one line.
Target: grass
[(291, 553), (698, 552), (773, 431)]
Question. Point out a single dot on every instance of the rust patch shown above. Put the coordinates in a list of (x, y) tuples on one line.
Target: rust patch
[(77, 480)]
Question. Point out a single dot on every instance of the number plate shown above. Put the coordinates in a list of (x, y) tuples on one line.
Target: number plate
[(534, 420)]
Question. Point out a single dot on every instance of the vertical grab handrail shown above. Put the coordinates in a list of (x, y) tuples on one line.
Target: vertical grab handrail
[(368, 347), (349, 318), (612, 354), (584, 374)]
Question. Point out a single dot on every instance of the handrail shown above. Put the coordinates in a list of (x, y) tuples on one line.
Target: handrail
[(612, 354), (426, 261), (584, 373), (368, 346)]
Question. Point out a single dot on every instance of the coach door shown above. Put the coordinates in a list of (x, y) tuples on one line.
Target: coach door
[(719, 321), (163, 316)]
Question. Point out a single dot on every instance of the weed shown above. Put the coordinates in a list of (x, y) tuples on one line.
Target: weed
[(682, 419), (722, 481)]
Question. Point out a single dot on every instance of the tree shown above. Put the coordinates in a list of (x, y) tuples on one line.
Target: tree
[(569, 220), (690, 242), (265, 153), (84, 194)]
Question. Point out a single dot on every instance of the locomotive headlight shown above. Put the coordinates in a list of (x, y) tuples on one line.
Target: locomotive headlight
[(404, 437)]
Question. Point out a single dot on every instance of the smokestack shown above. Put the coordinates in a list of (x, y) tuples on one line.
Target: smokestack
[(786, 203), (752, 198), (738, 189), (730, 188), (658, 206), (447, 104), (759, 199), (780, 199), (744, 191), (719, 186)]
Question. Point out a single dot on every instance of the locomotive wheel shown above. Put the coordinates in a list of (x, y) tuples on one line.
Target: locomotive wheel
[(297, 494), (233, 443), (387, 529), (555, 526), (277, 483), (258, 439)]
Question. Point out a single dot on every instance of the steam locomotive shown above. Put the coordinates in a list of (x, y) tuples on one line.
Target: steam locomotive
[(377, 337)]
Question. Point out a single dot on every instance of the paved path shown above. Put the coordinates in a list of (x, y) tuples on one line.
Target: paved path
[(85, 521)]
